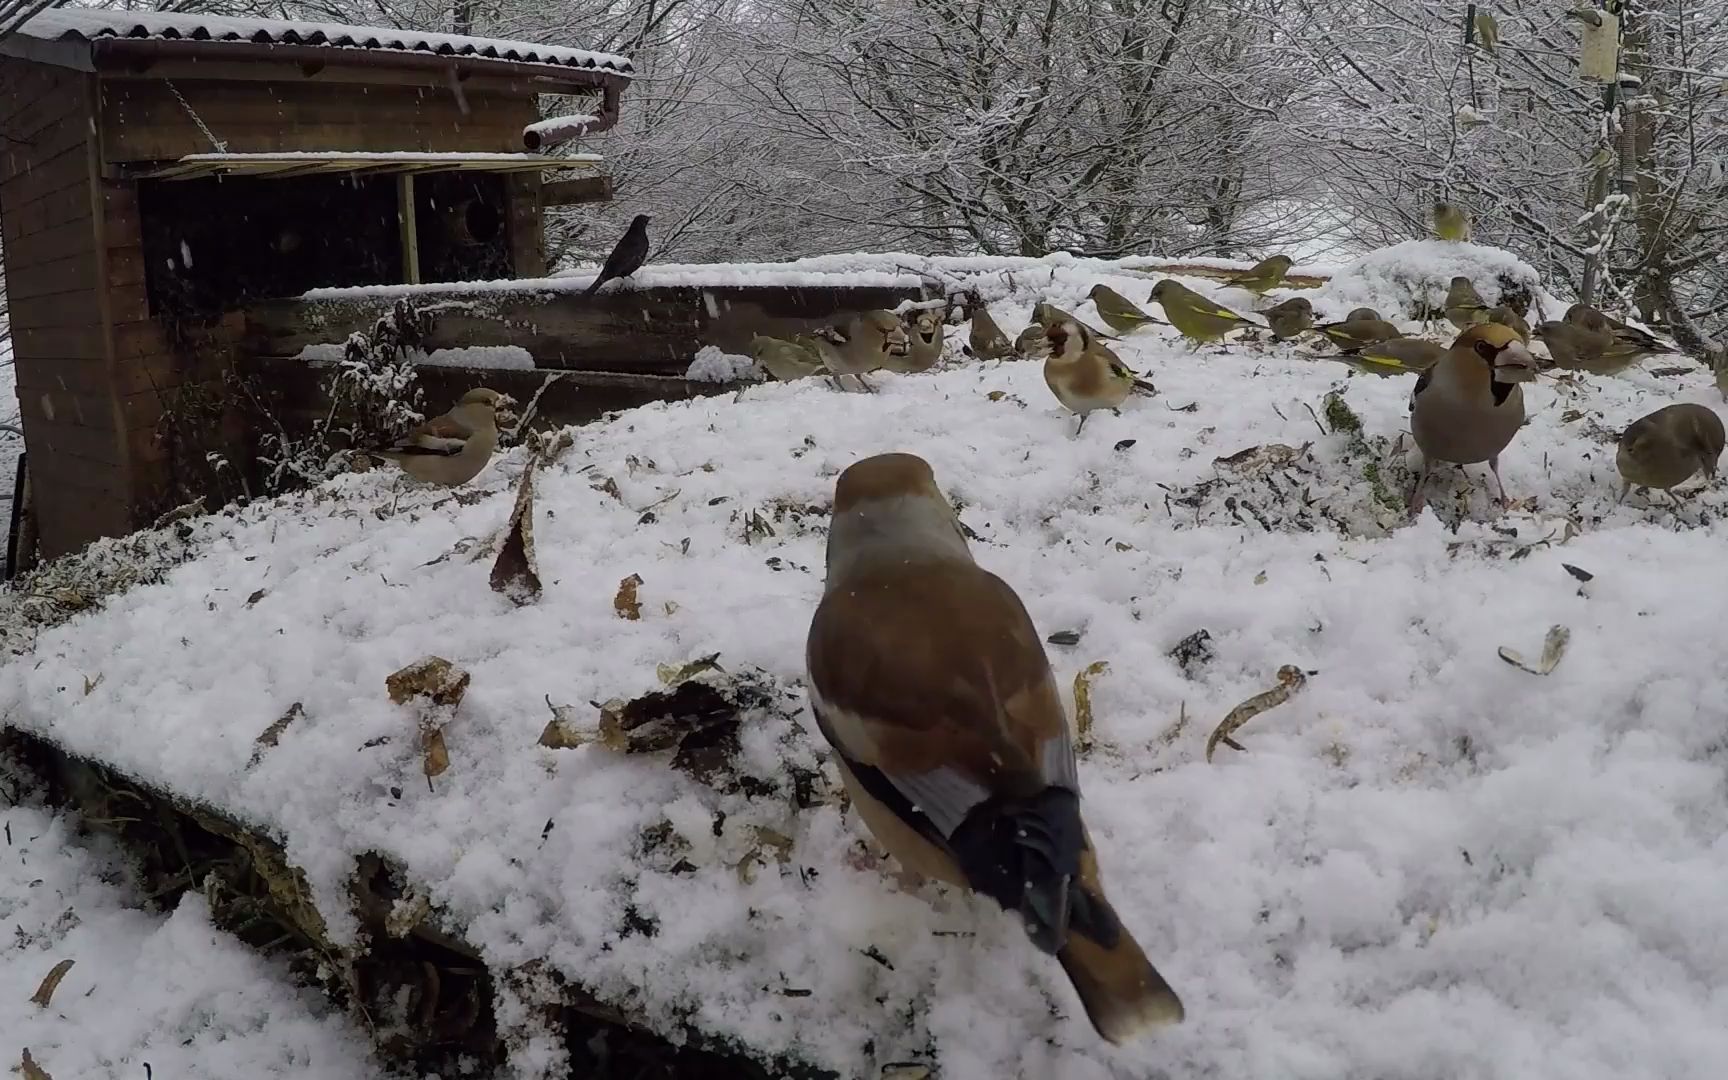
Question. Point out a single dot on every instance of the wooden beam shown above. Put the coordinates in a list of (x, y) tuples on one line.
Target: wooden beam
[(585, 189), (410, 230)]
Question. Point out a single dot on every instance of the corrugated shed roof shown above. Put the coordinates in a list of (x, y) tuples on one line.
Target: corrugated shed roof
[(91, 24)]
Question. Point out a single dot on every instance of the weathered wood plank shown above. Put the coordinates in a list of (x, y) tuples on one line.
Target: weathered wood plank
[(583, 189), (647, 331), (143, 121), (28, 278)]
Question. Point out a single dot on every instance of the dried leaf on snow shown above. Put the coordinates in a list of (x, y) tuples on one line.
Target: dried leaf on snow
[(1290, 679)]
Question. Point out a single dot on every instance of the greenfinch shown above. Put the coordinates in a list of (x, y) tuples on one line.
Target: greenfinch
[(1669, 447), (987, 340), (1290, 318), (1451, 221), (1464, 307), (1118, 312), (1199, 319), (784, 360), (1352, 335), (1263, 276), (1401, 355), (1505, 316), (1363, 314)]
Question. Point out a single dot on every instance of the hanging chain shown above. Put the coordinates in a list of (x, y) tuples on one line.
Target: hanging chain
[(221, 147)]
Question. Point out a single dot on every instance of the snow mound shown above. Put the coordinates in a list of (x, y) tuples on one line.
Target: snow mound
[(715, 365), (1407, 280), (168, 989), (1428, 863)]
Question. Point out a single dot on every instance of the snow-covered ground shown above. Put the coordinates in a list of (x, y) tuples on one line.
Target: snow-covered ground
[(1427, 864), (147, 993)]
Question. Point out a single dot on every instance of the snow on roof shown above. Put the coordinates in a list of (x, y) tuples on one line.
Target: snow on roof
[(90, 24), (1425, 857)]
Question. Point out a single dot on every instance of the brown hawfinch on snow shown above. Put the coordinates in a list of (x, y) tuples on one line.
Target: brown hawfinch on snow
[(930, 681), (1669, 447), (864, 343), (451, 449), (1085, 375), (1469, 405), (924, 334)]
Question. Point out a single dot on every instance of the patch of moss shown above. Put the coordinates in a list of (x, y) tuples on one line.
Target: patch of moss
[(1340, 417)]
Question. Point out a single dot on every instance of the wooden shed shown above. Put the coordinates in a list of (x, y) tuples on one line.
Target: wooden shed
[(160, 172)]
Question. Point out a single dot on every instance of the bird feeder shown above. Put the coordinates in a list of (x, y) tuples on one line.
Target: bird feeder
[(1599, 47)]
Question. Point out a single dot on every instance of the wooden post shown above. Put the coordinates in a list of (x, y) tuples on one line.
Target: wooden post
[(410, 231)]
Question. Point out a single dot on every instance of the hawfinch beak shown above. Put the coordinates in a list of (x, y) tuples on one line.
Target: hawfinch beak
[(1514, 364)]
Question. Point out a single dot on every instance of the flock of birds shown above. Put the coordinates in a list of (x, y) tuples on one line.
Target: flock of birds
[(1466, 407), (926, 674)]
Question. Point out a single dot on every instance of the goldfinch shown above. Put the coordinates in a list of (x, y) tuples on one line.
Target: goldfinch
[(1118, 312), (864, 343), (1199, 319), (1669, 447), (1469, 405), (929, 680), (1263, 276), (452, 448), (1085, 375), (925, 333)]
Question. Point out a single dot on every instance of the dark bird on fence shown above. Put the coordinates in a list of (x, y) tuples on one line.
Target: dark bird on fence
[(928, 678), (451, 449), (1263, 276), (925, 332), (627, 257), (864, 343), (1451, 221), (1469, 405), (1352, 335), (785, 360), (1085, 375), (1118, 312), (1290, 318), (1505, 316), (1200, 320), (986, 339), (1669, 447)]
